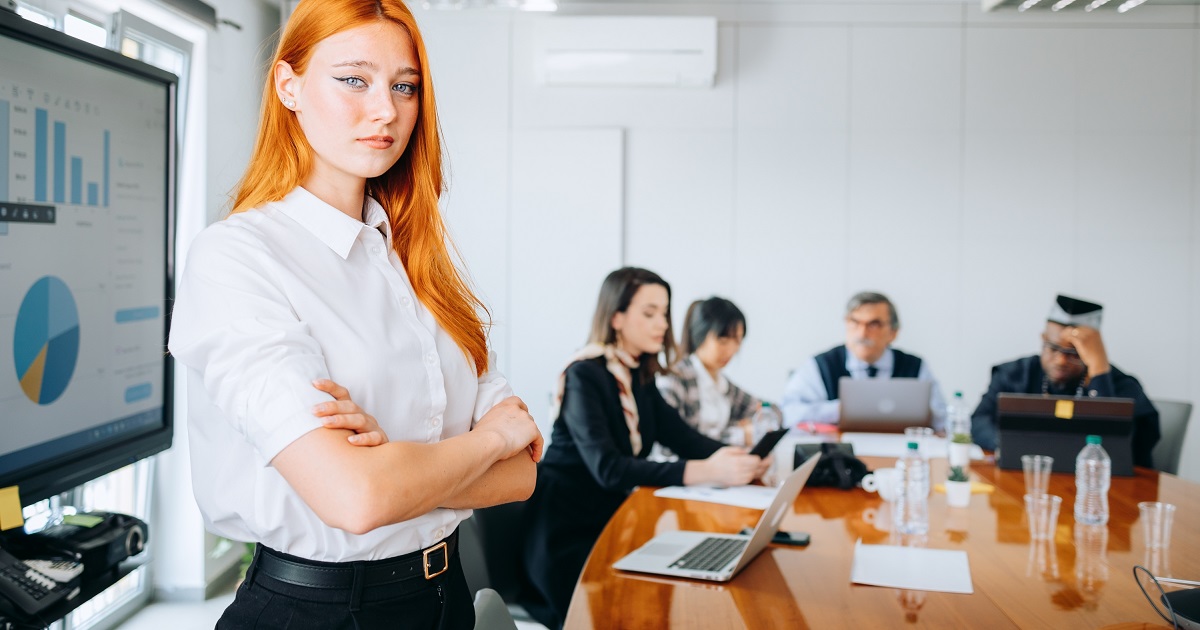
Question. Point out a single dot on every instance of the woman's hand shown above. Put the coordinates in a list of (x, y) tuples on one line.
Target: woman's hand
[(729, 466), (344, 413), (510, 420)]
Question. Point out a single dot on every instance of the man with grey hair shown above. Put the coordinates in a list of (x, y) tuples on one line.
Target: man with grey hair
[(811, 395)]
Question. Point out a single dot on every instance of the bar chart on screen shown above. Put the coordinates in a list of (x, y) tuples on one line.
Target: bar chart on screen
[(50, 153)]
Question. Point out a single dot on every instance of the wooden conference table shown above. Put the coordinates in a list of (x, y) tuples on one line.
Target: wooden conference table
[(1017, 584)]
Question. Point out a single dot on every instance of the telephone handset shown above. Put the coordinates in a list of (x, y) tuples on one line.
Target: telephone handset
[(27, 588)]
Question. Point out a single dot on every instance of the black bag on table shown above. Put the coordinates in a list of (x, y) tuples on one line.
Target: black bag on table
[(838, 466)]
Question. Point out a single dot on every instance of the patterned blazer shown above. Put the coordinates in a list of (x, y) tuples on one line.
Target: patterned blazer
[(681, 390)]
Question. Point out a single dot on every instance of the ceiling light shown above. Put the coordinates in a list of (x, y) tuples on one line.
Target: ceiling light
[(1129, 4), (1061, 4)]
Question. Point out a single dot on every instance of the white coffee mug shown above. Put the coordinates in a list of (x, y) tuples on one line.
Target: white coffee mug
[(885, 481)]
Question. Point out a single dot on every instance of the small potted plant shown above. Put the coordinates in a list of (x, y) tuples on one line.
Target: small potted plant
[(960, 449), (958, 487)]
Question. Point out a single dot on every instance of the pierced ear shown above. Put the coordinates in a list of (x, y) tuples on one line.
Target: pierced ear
[(285, 84)]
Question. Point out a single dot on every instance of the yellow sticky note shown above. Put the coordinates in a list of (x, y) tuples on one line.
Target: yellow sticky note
[(10, 508), (1064, 409)]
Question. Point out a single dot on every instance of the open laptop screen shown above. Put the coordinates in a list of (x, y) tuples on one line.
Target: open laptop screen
[(883, 405), (1058, 426)]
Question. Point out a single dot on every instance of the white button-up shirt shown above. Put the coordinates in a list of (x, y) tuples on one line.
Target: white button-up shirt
[(274, 298)]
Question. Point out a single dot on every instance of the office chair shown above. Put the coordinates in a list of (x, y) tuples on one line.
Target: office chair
[(491, 613), (490, 550), (1173, 419)]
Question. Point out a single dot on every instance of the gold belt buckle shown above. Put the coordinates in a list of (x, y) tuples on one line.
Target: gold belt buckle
[(445, 560)]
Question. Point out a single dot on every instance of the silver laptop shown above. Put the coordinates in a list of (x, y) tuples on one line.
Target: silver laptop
[(717, 557), (883, 405)]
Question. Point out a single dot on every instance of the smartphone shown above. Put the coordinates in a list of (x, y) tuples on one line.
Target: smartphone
[(799, 539), (768, 442)]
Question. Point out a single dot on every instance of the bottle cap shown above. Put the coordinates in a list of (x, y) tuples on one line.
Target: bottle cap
[(766, 404), (958, 394), (1093, 439), (912, 446)]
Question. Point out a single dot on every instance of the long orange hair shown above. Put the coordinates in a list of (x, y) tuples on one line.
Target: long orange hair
[(408, 191)]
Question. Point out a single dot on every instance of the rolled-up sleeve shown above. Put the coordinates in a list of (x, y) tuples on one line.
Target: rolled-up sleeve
[(233, 325), (493, 388)]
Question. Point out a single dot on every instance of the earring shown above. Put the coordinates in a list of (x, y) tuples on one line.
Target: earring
[(289, 103)]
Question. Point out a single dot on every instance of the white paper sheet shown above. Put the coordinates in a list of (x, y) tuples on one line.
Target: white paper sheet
[(912, 568), (894, 444), (755, 497)]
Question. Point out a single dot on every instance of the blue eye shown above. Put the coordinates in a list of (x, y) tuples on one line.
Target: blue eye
[(355, 82), (405, 88)]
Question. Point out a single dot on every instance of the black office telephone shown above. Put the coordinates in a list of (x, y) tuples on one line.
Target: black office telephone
[(27, 588)]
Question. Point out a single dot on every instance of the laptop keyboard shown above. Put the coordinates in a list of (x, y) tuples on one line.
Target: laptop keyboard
[(711, 555)]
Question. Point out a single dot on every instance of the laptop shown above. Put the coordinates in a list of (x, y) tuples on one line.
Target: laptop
[(883, 405), (711, 556), (1058, 426)]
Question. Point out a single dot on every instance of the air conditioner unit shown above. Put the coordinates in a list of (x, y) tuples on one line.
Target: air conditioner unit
[(626, 51)]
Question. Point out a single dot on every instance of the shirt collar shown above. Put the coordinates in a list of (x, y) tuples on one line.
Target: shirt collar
[(376, 217), (884, 364), (704, 379), (330, 225)]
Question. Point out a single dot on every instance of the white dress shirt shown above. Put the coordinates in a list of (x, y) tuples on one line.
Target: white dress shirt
[(805, 398), (274, 298)]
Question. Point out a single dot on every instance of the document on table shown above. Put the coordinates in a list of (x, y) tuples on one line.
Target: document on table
[(893, 445), (754, 497), (912, 568)]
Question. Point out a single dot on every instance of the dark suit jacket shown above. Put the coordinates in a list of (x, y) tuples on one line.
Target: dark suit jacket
[(590, 468), (1024, 376)]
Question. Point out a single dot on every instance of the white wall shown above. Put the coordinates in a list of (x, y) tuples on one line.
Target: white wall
[(970, 165)]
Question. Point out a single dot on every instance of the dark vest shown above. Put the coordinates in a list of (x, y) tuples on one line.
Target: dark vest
[(832, 365)]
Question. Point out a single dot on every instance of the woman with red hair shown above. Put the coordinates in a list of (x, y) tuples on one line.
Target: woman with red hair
[(330, 291)]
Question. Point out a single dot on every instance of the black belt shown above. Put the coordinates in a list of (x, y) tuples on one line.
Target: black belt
[(427, 563)]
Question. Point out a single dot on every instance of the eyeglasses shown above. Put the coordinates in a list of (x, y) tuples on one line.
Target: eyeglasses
[(1169, 614), (1070, 354), (873, 325)]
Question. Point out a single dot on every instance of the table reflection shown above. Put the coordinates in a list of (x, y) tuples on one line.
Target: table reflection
[(1091, 562)]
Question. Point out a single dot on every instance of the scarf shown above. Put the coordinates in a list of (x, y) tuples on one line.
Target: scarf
[(620, 364)]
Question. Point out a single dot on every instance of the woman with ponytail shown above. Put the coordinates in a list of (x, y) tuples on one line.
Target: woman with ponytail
[(343, 413)]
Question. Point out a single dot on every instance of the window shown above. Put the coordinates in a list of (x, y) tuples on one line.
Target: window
[(40, 16), (85, 28)]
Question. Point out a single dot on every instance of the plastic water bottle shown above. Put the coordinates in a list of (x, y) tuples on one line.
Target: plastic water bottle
[(767, 418), (959, 425), (1093, 474), (911, 510)]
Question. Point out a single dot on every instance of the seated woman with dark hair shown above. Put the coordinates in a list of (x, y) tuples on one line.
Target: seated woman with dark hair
[(609, 414), (713, 330)]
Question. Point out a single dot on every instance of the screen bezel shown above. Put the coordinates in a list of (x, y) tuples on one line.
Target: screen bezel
[(61, 472)]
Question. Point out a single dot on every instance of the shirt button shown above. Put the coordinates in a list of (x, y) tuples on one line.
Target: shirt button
[(431, 358), (376, 250), (440, 533), (437, 421), (406, 301)]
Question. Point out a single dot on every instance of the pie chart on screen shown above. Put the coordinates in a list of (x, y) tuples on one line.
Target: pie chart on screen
[(46, 340)]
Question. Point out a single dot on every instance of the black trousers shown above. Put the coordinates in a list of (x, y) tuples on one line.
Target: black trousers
[(440, 603)]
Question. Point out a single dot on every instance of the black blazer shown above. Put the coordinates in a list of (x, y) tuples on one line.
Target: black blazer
[(587, 472), (590, 435)]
